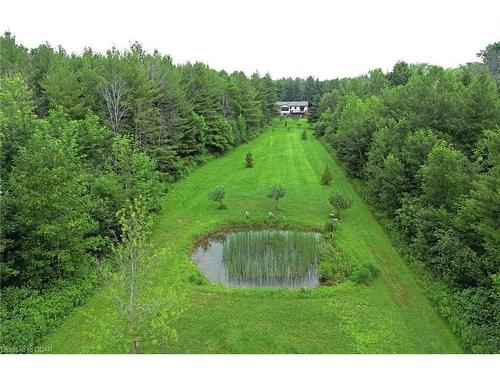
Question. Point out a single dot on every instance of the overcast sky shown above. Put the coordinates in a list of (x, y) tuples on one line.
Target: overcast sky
[(326, 39)]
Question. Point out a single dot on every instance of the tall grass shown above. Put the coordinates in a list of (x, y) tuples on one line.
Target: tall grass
[(271, 258)]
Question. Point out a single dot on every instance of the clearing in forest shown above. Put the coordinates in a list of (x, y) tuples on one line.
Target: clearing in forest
[(390, 315)]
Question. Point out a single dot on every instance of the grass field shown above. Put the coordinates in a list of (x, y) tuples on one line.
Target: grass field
[(391, 315)]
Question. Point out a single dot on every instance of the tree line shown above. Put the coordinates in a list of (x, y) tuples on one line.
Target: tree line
[(425, 144)]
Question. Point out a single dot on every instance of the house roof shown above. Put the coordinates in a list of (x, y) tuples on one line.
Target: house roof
[(294, 104)]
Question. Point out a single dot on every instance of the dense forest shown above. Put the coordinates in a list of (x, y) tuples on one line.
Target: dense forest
[(424, 143), (82, 135)]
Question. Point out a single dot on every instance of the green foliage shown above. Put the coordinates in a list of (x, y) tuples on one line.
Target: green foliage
[(270, 257), (28, 314), (249, 160), (48, 207), (132, 255), (444, 177), (400, 74), (16, 119), (327, 176), (353, 135), (333, 266), (324, 122), (61, 87), (276, 192), (424, 150), (218, 195), (14, 58), (490, 56), (423, 140), (365, 273), (197, 278), (304, 135), (379, 315), (339, 203)]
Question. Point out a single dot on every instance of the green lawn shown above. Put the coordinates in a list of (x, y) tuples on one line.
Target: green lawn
[(391, 315)]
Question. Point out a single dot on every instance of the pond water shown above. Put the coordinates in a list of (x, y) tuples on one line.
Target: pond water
[(261, 258)]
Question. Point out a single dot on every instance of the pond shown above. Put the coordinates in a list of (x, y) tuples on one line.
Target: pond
[(261, 258)]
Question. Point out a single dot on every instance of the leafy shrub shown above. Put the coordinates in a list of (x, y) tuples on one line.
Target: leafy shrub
[(365, 273), (304, 135), (276, 192), (472, 314), (333, 266), (28, 315), (339, 203), (328, 229), (197, 278), (218, 196), (327, 177)]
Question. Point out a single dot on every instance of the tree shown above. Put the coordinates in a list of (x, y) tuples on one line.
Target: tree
[(378, 82), (249, 160), (14, 58), (133, 173), (327, 177), (266, 94), (62, 87), (324, 122), (113, 91), (400, 74), (445, 177), (339, 203), (304, 135), (48, 205), (218, 196), (16, 120), (354, 133), (479, 217), (276, 192), (491, 58), (132, 256), (392, 183), (482, 111), (219, 136)]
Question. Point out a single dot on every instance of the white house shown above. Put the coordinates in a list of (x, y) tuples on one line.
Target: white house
[(293, 108)]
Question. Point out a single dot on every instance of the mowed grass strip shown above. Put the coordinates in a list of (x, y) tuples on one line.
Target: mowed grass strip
[(391, 315)]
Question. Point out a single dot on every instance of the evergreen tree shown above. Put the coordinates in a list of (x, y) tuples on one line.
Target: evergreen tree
[(327, 177), (249, 160)]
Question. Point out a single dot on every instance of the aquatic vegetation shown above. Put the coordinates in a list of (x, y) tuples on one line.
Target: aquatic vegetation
[(262, 258)]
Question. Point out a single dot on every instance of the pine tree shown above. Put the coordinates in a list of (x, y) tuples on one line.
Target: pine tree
[(249, 160), (327, 176)]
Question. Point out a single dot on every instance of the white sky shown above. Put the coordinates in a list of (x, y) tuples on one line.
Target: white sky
[(326, 39)]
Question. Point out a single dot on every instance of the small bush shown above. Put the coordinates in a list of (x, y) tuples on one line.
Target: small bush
[(304, 135), (276, 192), (27, 315), (327, 177), (339, 203), (197, 278), (333, 266), (249, 160), (365, 274), (218, 196), (328, 229), (373, 269)]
